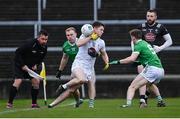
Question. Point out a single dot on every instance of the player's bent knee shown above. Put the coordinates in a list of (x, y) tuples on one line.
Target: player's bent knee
[(72, 89), (81, 81)]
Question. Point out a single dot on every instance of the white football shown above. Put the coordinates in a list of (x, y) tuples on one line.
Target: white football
[(87, 29)]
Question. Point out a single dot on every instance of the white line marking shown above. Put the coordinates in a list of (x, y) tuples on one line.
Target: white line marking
[(16, 110), (29, 109)]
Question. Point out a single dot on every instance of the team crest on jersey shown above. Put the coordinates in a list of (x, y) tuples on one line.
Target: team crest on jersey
[(73, 49), (156, 30), (150, 36)]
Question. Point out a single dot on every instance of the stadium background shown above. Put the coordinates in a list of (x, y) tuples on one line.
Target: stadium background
[(22, 19)]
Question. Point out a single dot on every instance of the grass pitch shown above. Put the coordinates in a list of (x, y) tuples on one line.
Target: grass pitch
[(104, 108)]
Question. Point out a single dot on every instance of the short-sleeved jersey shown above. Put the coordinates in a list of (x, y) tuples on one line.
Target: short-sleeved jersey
[(70, 49), (147, 55), (83, 55), (153, 34)]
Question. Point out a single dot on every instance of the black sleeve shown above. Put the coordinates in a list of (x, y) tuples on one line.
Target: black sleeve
[(164, 31), (19, 53), (42, 57)]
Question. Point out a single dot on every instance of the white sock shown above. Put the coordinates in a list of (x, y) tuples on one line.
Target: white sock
[(51, 104), (129, 102), (142, 100), (64, 86)]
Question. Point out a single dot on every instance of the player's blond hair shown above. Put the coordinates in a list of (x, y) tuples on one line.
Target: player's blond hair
[(70, 28)]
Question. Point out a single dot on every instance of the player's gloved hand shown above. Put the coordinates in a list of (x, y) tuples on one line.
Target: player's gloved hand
[(156, 48), (92, 52), (106, 67), (58, 74), (114, 62), (136, 63), (94, 36)]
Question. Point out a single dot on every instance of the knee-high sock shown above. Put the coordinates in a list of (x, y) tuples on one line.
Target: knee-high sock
[(34, 93), (12, 94)]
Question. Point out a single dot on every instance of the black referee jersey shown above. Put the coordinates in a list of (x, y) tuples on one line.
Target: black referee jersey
[(31, 53)]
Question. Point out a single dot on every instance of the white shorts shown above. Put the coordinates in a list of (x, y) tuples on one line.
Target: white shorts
[(153, 74), (87, 68)]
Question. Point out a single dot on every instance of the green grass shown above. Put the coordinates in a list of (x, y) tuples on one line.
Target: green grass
[(109, 108)]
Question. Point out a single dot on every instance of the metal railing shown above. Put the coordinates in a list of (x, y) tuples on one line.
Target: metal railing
[(37, 24)]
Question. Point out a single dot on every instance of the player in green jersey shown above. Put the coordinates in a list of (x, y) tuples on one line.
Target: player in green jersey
[(70, 50), (158, 36), (145, 54)]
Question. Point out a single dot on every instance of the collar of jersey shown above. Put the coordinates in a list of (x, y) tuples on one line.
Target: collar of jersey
[(138, 41), (72, 44), (155, 23)]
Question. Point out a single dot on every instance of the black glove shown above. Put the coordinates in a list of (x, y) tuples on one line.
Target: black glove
[(92, 52), (58, 74)]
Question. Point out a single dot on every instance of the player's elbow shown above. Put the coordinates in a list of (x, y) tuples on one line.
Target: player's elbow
[(132, 59), (168, 39), (171, 42)]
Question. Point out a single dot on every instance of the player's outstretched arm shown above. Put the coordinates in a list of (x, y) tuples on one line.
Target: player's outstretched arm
[(126, 60)]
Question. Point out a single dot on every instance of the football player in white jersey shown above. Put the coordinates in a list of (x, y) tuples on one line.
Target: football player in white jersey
[(83, 66)]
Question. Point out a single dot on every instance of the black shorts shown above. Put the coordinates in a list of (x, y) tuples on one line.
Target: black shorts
[(20, 74)]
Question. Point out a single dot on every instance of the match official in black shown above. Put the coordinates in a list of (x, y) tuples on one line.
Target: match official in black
[(29, 55)]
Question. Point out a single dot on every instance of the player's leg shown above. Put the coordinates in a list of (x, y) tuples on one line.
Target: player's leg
[(79, 78), (35, 92), (13, 91), (77, 70), (18, 76), (92, 91), (154, 75), (155, 90), (64, 95), (76, 95), (142, 90), (138, 82), (143, 98)]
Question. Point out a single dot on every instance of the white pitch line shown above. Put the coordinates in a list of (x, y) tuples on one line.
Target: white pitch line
[(28, 109), (16, 110), (69, 104)]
